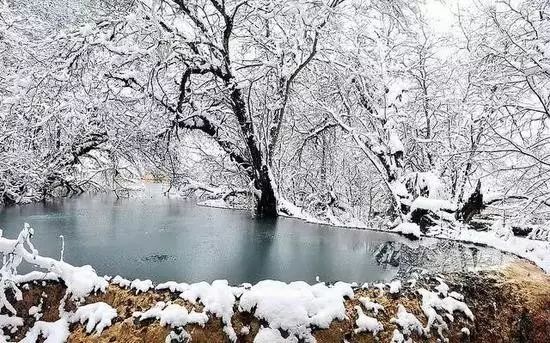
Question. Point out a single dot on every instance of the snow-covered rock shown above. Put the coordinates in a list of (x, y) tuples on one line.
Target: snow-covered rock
[(408, 229), (296, 306), (398, 337), (407, 321), (53, 332), (217, 298), (371, 306), (442, 288), (269, 335), (367, 323), (122, 282), (395, 286), (10, 322), (97, 316), (173, 315), (80, 281), (172, 286), (141, 285)]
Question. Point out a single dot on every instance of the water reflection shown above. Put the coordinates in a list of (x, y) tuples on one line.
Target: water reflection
[(436, 256), (156, 237)]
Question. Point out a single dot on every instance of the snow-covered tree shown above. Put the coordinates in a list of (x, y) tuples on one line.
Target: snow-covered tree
[(351, 110), (54, 137), (223, 68)]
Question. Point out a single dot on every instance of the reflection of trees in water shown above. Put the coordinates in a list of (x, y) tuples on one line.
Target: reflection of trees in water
[(442, 256)]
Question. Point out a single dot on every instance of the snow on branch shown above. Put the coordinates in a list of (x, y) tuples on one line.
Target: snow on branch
[(80, 281)]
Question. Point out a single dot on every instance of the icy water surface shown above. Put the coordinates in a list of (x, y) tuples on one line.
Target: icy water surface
[(160, 238)]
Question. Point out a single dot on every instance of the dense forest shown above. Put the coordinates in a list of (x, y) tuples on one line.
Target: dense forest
[(347, 112)]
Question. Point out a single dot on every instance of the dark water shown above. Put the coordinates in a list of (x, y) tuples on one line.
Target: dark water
[(152, 236)]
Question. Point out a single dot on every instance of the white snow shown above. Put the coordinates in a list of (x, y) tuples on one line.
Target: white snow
[(53, 332), (80, 281), (434, 205), (398, 337), (182, 336), (427, 181), (380, 287), (407, 321), (456, 295), (172, 286), (399, 189), (269, 335), (141, 286), (432, 302), (98, 316), (370, 305), (173, 315), (395, 143), (10, 321), (184, 28), (366, 323), (442, 288), (35, 276), (86, 29), (35, 311), (287, 208), (395, 286), (533, 250), (218, 299), (465, 331), (536, 251), (122, 282), (408, 229), (296, 306), (451, 305)]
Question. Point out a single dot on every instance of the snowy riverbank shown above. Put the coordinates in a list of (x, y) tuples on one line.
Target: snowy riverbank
[(474, 307), (499, 237)]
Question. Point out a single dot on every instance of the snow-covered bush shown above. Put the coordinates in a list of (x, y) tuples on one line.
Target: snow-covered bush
[(80, 281)]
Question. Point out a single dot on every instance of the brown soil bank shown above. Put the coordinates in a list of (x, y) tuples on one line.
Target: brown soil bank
[(511, 304)]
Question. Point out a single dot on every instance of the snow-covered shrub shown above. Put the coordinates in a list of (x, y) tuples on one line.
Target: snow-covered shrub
[(80, 281)]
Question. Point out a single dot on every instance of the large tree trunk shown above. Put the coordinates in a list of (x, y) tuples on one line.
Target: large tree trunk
[(266, 205)]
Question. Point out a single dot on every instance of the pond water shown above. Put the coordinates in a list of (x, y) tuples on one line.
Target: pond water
[(150, 236)]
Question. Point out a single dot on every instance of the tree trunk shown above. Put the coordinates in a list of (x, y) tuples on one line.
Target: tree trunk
[(266, 205), (473, 206)]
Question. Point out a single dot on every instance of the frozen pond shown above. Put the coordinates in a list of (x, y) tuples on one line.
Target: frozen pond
[(160, 238)]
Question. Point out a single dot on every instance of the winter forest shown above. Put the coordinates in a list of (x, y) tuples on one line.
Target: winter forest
[(427, 118)]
